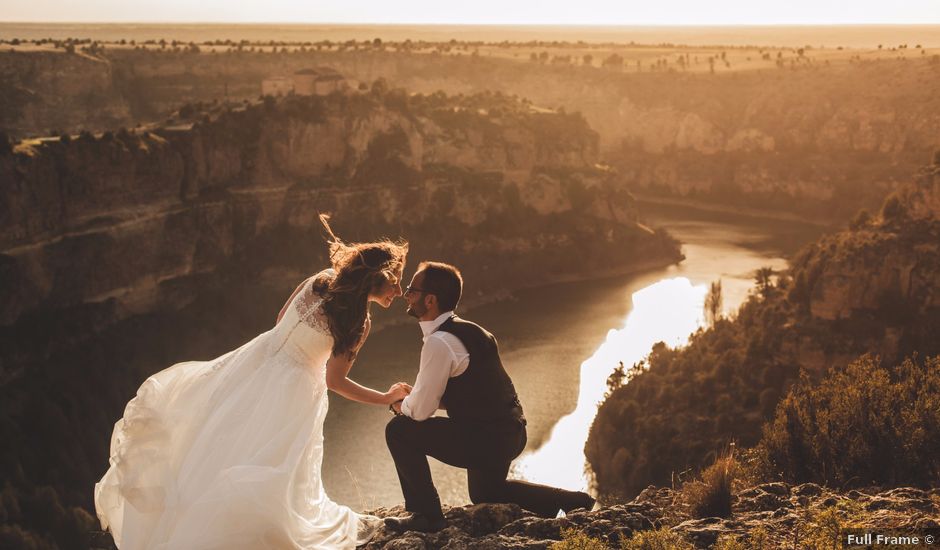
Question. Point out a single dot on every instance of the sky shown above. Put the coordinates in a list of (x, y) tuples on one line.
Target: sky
[(511, 12)]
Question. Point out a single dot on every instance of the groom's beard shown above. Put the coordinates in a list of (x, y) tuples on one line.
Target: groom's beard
[(415, 310)]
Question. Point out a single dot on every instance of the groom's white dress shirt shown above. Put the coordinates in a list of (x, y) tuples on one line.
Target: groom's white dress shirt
[(443, 356)]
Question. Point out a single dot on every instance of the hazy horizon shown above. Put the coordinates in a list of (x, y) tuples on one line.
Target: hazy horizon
[(845, 35), (483, 12)]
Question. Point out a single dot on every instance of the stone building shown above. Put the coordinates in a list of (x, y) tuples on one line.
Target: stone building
[(319, 81)]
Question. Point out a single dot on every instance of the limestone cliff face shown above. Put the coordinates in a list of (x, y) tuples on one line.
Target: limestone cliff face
[(46, 92), (887, 264), (137, 222), (824, 141)]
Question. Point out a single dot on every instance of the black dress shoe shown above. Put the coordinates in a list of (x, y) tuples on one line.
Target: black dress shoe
[(416, 522)]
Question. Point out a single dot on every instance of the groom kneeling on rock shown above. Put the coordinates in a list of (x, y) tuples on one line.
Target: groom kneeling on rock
[(485, 429)]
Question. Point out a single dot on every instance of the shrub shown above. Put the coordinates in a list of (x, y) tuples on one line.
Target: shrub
[(864, 423), (660, 539), (756, 539), (711, 495), (893, 208), (729, 542), (861, 219), (572, 539), (823, 531)]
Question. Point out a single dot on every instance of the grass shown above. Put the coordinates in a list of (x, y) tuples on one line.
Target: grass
[(659, 539), (711, 495), (572, 539), (756, 539)]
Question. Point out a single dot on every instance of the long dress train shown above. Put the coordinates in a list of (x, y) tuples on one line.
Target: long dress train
[(226, 454)]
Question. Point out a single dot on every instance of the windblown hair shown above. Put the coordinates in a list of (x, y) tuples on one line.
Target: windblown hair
[(361, 268)]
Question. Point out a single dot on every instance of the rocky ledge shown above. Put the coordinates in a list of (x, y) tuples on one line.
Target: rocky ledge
[(784, 514)]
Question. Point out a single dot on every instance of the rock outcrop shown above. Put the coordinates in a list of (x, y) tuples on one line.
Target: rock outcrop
[(884, 264), (132, 219), (782, 513), (778, 139)]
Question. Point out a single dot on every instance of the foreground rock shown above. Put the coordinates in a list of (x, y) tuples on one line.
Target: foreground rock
[(784, 512)]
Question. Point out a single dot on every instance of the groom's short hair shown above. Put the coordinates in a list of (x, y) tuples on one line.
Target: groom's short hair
[(444, 281)]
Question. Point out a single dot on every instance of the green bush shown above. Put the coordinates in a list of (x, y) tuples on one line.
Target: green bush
[(864, 423)]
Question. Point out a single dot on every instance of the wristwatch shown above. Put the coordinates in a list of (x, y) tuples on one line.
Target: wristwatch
[(391, 409)]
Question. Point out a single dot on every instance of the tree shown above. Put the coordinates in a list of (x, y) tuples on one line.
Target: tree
[(614, 61), (892, 209), (713, 303), (380, 87), (615, 380), (763, 279), (861, 219)]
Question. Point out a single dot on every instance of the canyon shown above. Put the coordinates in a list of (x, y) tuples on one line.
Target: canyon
[(819, 140)]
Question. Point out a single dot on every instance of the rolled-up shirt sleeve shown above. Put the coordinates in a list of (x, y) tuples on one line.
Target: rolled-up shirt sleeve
[(437, 363)]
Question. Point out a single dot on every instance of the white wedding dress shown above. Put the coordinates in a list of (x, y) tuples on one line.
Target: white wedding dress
[(226, 454)]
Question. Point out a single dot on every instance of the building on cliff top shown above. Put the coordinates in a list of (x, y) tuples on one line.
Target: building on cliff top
[(319, 81)]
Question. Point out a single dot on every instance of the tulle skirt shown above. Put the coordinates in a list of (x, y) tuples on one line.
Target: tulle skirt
[(226, 454)]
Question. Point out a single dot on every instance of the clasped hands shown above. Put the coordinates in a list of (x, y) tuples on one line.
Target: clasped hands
[(396, 393)]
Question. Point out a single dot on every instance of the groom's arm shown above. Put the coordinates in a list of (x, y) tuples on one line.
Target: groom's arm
[(437, 362)]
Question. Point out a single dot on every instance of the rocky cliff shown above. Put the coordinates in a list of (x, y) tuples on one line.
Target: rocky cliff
[(892, 262), (46, 93), (822, 141), (129, 218)]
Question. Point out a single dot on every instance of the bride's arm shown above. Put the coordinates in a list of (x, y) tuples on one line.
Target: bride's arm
[(337, 379)]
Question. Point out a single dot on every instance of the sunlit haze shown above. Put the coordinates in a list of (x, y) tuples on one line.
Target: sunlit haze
[(590, 12)]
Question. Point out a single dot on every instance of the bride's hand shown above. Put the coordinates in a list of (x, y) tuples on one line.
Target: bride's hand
[(397, 392)]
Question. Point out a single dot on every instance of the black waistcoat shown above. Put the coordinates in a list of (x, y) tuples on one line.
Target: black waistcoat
[(484, 391)]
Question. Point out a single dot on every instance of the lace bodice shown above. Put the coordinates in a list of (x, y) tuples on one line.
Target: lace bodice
[(307, 306), (304, 331)]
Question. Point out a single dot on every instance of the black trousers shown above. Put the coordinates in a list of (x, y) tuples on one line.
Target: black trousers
[(485, 450)]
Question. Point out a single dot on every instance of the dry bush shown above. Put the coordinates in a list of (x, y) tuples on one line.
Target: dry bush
[(711, 495), (660, 539), (572, 539)]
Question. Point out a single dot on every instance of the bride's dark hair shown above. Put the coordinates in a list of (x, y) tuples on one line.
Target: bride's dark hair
[(361, 268)]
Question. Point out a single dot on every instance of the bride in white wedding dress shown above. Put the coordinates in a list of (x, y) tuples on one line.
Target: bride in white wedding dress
[(227, 453)]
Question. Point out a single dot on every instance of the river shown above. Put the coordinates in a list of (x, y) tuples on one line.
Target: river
[(559, 344)]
